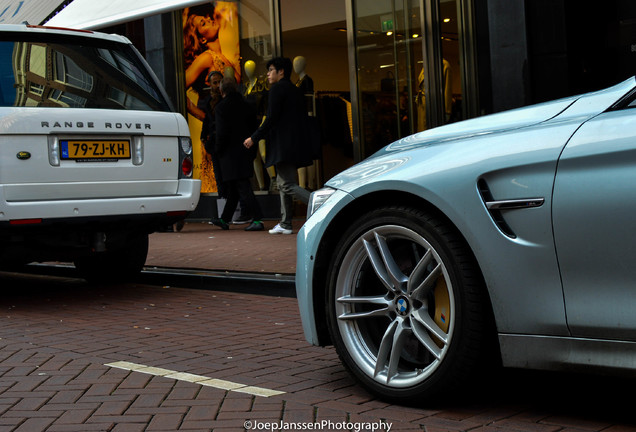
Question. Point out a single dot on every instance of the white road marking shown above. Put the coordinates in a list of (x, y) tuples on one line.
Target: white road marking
[(197, 379)]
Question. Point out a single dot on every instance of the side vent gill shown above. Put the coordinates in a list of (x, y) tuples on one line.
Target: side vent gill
[(496, 207), (495, 214)]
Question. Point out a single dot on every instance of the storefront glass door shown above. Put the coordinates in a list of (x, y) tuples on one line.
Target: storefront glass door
[(408, 63)]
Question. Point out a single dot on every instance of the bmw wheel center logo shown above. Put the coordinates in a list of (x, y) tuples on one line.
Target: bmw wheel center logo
[(402, 306)]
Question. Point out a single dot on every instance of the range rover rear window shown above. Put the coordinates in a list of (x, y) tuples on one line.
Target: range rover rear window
[(66, 72)]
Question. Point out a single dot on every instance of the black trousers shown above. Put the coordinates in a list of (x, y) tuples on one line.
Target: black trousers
[(236, 190)]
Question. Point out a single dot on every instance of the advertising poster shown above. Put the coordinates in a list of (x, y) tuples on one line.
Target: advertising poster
[(210, 43)]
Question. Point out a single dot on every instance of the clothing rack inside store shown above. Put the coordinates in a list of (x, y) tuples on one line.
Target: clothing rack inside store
[(334, 93), (334, 111)]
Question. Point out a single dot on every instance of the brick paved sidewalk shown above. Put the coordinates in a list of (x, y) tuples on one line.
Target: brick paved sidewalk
[(60, 337), (202, 246)]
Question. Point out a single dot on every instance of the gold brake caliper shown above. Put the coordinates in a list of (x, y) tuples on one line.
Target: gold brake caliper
[(442, 307)]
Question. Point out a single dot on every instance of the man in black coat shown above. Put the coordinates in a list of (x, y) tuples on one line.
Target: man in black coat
[(285, 132), (235, 120), (208, 128)]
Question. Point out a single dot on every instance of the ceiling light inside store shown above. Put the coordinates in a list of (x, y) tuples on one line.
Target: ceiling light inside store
[(389, 33), (447, 20)]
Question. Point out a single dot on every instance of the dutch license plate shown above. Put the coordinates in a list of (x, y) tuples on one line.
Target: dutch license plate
[(95, 150)]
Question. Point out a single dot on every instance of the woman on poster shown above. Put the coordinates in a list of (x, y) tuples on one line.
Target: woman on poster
[(203, 47), (211, 43)]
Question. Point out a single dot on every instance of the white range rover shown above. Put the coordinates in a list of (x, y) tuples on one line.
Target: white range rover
[(92, 156)]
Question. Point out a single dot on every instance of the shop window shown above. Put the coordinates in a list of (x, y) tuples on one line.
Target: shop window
[(392, 38), (314, 37)]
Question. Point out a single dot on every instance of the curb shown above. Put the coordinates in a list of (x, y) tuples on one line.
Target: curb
[(278, 285)]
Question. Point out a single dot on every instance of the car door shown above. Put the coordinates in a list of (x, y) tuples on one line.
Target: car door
[(594, 214)]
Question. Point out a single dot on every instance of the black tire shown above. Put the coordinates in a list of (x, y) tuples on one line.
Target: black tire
[(404, 339), (118, 265), (178, 226)]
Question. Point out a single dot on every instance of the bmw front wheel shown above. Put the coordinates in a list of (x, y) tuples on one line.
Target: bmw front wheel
[(406, 305)]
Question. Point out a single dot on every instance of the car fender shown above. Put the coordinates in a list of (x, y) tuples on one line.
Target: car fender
[(448, 177)]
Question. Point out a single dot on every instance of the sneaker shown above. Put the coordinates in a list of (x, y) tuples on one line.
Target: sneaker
[(255, 226), (280, 230), (220, 223), (242, 220)]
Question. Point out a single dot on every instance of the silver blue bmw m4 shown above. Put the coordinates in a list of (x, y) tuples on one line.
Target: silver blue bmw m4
[(508, 240)]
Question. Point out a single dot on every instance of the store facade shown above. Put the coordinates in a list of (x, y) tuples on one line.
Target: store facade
[(379, 69), (376, 74)]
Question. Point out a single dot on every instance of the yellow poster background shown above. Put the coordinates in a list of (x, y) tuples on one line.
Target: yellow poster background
[(210, 42)]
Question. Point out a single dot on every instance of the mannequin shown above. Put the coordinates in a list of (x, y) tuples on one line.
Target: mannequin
[(448, 89), (305, 83), (228, 72), (421, 103), (448, 95), (250, 69), (255, 91), (307, 176)]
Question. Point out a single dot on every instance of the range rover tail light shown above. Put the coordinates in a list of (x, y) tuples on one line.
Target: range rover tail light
[(186, 166), (137, 150), (54, 150), (186, 145), (185, 152)]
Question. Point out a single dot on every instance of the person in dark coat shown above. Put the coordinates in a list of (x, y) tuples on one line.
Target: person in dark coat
[(208, 128), (235, 120), (285, 132)]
